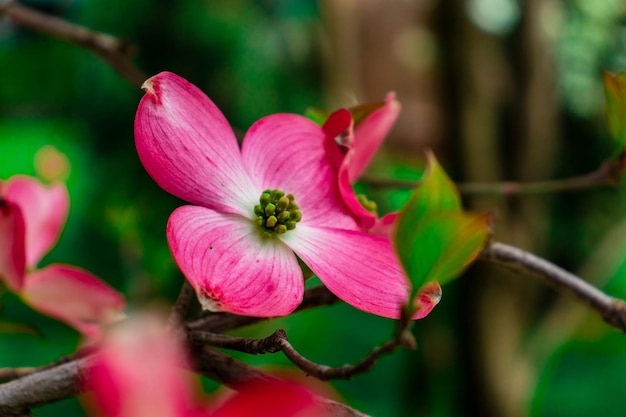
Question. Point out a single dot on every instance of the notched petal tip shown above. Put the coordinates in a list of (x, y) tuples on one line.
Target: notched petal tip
[(150, 86), (147, 85), (428, 297), (208, 302)]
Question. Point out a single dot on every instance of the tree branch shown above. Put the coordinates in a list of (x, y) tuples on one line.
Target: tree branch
[(112, 50), (180, 309), (50, 385), (9, 374), (606, 175), (612, 310)]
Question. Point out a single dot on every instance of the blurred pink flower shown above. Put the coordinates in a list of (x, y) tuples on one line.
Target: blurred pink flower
[(257, 208), (139, 371), (32, 217)]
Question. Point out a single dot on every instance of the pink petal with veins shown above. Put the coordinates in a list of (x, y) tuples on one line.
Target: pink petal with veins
[(12, 245), (339, 131), (357, 267), (369, 135), (45, 210), (287, 152), (366, 219), (360, 144), (139, 372), (384, 225), (230, 265), (74, 296), (188, 148)]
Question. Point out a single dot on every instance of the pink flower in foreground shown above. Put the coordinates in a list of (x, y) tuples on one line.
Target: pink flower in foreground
[(140, 372), (356, 147), (257, 208), (32, 217)]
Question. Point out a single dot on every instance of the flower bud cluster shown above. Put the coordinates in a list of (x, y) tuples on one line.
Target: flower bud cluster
[(277, 212)]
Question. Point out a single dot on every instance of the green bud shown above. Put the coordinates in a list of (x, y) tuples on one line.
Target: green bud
[(270, 209), (282, 204), (284, 216), (277, 213), (295, 215), (265, 198)]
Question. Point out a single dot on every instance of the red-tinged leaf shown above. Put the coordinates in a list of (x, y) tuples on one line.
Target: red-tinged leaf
[(434, 238), (615, 107), (360, 112)]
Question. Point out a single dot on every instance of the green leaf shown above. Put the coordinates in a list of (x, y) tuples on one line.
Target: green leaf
[(615, 107), (360, 112), (434, 238), (318, 116)]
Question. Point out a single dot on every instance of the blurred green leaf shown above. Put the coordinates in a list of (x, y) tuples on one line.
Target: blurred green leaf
[(435, 239), (319, 116), (615, 107)]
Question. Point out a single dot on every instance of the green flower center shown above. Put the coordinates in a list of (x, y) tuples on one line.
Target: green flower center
[(368, 204), (277, 212)]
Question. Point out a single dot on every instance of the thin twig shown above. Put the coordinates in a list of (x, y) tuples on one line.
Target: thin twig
[(605, 175), (325, 373), (112, 50), (251, 345), (278, 341), (612, 310), (223, 322)]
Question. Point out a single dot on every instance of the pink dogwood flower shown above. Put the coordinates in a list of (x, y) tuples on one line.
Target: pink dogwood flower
[(32, 217), (257, 209), (358, 145), (139, 371), (355, 148)]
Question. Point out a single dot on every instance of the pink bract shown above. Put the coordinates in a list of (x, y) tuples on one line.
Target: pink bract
[(45, 210), (32, 216), (187, 146), (139, 371), (12, 246), (358, 145), (271, 399)]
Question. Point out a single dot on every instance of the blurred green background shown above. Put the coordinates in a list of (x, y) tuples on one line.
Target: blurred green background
[(501, 89)]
